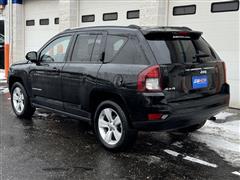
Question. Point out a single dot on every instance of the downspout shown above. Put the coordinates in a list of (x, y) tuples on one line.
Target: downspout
[(167, 12), (78, 13)]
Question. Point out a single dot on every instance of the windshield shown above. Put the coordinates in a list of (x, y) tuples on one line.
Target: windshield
[(182, 50)]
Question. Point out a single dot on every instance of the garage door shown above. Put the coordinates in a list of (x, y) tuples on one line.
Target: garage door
[(220, 25), (41, 22), (116, 12)]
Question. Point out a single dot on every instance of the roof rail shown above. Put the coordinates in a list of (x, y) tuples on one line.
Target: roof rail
[(66, 30), (134, 26)]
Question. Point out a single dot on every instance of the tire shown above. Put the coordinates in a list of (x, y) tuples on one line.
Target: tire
[(114, 134), (192, 128), (20, 102)]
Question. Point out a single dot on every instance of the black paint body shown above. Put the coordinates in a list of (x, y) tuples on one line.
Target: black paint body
[(75, 88)]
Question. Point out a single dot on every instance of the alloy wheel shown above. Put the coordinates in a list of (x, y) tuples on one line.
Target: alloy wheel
[(18, 100), (110, 126)]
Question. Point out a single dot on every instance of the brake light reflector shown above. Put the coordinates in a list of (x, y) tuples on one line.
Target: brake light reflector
[(149, 79), (154, 116)]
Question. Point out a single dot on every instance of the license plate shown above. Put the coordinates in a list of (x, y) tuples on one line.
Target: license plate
[(199, 81)]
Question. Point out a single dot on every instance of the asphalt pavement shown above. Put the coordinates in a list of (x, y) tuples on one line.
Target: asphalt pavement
[(55, 147)]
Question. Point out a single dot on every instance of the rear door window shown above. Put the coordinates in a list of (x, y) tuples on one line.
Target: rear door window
[(181, 50), (83, 48), (97, 50)]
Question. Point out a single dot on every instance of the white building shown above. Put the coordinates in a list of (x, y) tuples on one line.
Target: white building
[(35, 21)]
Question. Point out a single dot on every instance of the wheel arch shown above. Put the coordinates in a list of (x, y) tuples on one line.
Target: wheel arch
[(14, 79), (98, 96), (23, 80)]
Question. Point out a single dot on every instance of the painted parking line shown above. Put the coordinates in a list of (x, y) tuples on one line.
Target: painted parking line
[(173, 153), (236, 173), (199, 161), (189, 158)]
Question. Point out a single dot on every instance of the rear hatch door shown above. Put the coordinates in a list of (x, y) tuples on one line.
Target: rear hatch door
[(189, 67)]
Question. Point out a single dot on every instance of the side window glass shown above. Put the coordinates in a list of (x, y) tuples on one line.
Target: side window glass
[(56, 51), (96, 55), (114, 44), (131, 53), (83, 48), (1, 40)]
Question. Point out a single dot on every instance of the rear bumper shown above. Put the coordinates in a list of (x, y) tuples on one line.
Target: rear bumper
[(183, 114)]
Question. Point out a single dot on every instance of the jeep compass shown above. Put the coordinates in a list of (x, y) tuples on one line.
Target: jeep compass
[(122, 80)]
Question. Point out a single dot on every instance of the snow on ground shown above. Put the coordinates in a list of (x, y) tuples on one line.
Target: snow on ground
[(2, 75), (4, 90), (222, 136), (3, 81)]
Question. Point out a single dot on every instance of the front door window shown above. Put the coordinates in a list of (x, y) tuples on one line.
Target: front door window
[(56, 50)]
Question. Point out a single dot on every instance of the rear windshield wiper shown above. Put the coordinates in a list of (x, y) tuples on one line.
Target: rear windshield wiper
[(198, 57), (202, 55)]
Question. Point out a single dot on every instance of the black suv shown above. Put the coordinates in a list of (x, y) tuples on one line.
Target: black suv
[(123, 79)]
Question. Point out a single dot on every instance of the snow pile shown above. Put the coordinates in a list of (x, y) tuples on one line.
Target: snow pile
[(224, 115), (222, 136), (2, 75)]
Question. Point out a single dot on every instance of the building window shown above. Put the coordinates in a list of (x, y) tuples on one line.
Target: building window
[(88, 18), (44, 21), (30, 23), (56, 21), (225, 6), (184, 10), (133, 14), (110, 16)]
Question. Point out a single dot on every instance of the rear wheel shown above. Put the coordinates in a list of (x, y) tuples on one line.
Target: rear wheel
[(192, 128), (20, 101), (112, 128)]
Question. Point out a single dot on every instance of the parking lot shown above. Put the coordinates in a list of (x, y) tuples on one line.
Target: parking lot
[(51, 146)]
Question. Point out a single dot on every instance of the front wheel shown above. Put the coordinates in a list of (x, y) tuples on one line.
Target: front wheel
[(112, 127), (20, 101)]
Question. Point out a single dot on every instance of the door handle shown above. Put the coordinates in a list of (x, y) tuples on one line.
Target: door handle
[(56, 69)]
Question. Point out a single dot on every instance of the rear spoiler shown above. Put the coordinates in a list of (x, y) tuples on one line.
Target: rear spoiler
[(168, 35)]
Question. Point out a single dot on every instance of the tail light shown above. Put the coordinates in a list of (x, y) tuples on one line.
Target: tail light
[(149, 79), (225, 72)]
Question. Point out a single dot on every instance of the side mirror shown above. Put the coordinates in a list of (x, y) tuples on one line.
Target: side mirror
[(32, 56)]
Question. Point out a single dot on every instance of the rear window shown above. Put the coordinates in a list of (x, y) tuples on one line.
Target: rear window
[(181, 50)]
